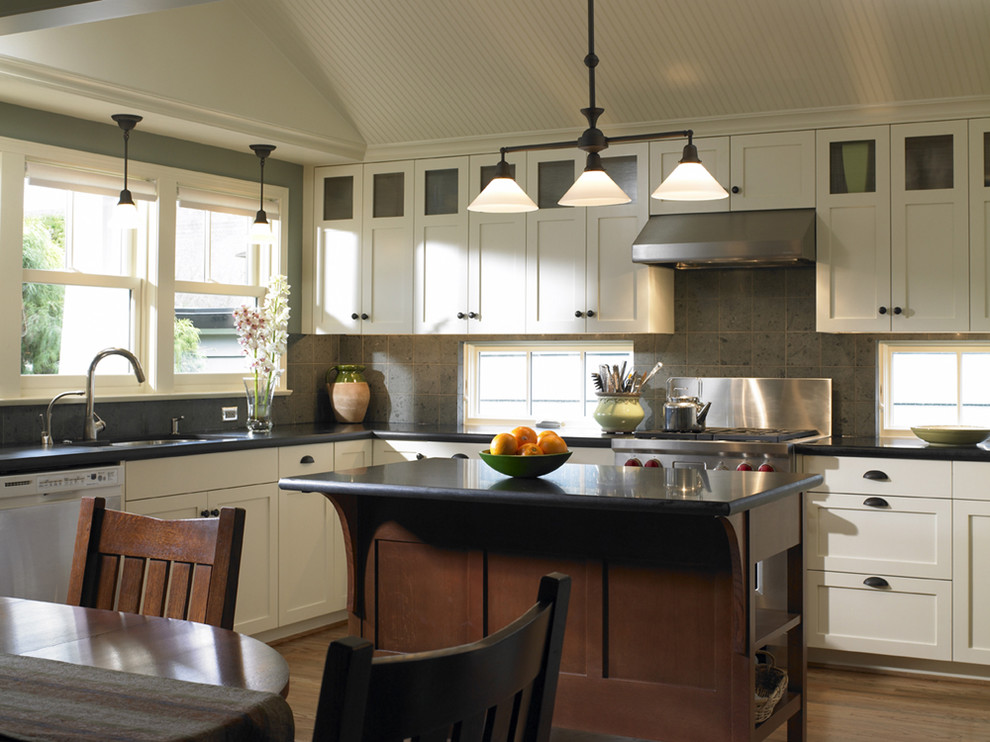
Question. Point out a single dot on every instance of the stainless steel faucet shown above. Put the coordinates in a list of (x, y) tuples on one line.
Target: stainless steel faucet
[(46, 434), (93, 424)]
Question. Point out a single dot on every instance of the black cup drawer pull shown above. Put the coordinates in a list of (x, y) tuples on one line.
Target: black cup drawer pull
[(876, 502), (307, 459), (876, 475), (876, 582)]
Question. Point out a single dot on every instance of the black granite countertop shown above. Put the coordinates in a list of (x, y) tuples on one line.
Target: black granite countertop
[(17, 459), (712, 493), (893, 448)]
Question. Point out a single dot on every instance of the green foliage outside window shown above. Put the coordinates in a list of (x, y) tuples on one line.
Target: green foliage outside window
[(188, 356), (42, 303)]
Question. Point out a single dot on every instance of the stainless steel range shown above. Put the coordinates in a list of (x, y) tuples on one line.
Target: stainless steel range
[(752, 424)]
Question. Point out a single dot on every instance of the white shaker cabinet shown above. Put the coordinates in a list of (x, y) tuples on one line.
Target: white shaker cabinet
[(893, 236), (971, 555), (580, 275), (337, 270), (760, 171), (979, 225)]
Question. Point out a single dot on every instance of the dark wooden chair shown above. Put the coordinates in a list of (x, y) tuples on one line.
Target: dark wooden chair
[(498, 689), (174, 568)]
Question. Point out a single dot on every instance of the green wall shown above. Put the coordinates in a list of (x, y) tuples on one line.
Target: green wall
[(17, 122)]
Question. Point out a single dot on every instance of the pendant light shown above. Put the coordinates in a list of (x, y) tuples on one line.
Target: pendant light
[(594, 187), (125, 213), (261, 229)]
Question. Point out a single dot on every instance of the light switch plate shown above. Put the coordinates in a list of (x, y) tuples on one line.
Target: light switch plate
[(228, 414)]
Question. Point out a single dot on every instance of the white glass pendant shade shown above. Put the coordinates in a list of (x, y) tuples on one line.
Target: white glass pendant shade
[(690, 181), (594, 188), (502, 196), (261, 230), (125, 213)]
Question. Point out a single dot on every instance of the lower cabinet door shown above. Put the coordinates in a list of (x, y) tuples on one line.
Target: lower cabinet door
[(899, 616), (971, 589)]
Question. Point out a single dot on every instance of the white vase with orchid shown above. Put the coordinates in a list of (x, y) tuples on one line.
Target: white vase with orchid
[(262, 333)]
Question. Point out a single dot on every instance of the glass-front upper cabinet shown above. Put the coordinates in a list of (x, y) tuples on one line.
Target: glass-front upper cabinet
[(852, 166), (979, 224)]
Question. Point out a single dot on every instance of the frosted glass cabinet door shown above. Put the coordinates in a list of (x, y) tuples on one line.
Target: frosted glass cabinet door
[(979, 225), (440, 265), (929, 227), (853, 230), (497, 255), (337, 268), (387, 249)]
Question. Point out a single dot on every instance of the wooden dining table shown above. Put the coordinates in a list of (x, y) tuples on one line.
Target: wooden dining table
[(87, 674)]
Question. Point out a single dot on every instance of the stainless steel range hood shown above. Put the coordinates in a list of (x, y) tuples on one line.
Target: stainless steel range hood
[(728, 239)]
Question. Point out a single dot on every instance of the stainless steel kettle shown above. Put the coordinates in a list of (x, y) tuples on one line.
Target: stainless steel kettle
[(683, 413)]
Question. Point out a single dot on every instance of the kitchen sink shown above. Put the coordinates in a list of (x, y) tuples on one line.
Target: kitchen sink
[(159, 441)]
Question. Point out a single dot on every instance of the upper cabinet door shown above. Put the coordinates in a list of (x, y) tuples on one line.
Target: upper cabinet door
[(853, 231), (665, 156), (929, 227), (440, 266), (496, 256), (336, 282), (387, 241), (772, 171), (555, 243), (979, 225)]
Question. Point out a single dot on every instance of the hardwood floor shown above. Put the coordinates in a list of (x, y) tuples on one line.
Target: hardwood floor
[(843, 705)]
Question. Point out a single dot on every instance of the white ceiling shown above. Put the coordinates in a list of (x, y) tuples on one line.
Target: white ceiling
[(393, 75)]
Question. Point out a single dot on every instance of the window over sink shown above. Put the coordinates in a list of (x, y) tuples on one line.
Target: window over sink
[(528, 382), (933, 383)]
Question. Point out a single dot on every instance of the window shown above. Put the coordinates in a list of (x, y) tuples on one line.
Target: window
[(531, 382), (165, 290), (933, 383)]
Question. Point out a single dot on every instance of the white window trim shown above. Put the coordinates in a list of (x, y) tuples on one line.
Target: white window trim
[(155, 282), (472, 349), (885, 349)]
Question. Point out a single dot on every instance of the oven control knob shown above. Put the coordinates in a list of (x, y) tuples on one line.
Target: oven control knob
[(744, 467), (653, 464), (633, 462), (766, 466), (720, 466)]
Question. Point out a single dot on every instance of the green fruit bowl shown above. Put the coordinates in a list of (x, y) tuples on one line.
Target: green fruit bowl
[(951, 435), (524, 466)]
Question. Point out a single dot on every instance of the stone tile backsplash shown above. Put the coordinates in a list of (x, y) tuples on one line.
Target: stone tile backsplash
[(741, 322)]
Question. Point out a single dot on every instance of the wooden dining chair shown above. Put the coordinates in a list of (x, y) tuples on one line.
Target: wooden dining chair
[(173, 568), (498, 689)]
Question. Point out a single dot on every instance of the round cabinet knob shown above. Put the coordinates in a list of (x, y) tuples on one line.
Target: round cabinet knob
[(461, 315), (578, 313), (591, 312), (882, 310), (204, 513), (420, 456), (735, 189), (354, 315), (897, 310), (215, 512), (364, 315), (472, 315)]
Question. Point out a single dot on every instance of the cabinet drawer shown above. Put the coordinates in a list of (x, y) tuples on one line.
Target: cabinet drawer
[(910, 618), (905, 477), (970, 480), (309, 459), (908, 536), (208, 471)]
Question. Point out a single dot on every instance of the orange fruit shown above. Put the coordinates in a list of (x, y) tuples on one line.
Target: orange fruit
[(550, 442), (524, 434), (530, 449), (503, 444)]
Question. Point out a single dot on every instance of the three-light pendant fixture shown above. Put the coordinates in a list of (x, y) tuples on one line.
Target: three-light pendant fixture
[(689, 181)]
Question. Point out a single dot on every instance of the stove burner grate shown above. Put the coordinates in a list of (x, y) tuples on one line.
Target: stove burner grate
[(766, 435)]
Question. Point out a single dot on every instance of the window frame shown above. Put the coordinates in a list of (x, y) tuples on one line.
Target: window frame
[(152, 283), (885, 351), (472, 349)]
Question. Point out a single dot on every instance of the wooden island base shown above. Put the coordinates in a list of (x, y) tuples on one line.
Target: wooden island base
[(664, 621)]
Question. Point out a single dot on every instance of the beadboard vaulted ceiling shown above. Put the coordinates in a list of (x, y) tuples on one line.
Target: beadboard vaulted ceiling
[(408, 73)]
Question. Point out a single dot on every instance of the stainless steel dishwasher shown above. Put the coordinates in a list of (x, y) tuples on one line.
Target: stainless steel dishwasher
[(38, 516)]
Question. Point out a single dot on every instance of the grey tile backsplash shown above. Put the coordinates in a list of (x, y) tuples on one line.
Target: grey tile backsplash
[(732, 322)]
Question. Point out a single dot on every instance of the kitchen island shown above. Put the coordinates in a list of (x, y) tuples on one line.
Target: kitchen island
[(668, 607)]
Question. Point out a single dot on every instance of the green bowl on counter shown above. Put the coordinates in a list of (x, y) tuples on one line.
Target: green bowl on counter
[(525, 467), (951, 435)]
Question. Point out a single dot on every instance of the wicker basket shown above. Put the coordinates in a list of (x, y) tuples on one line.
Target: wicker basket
[(771, 684)]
